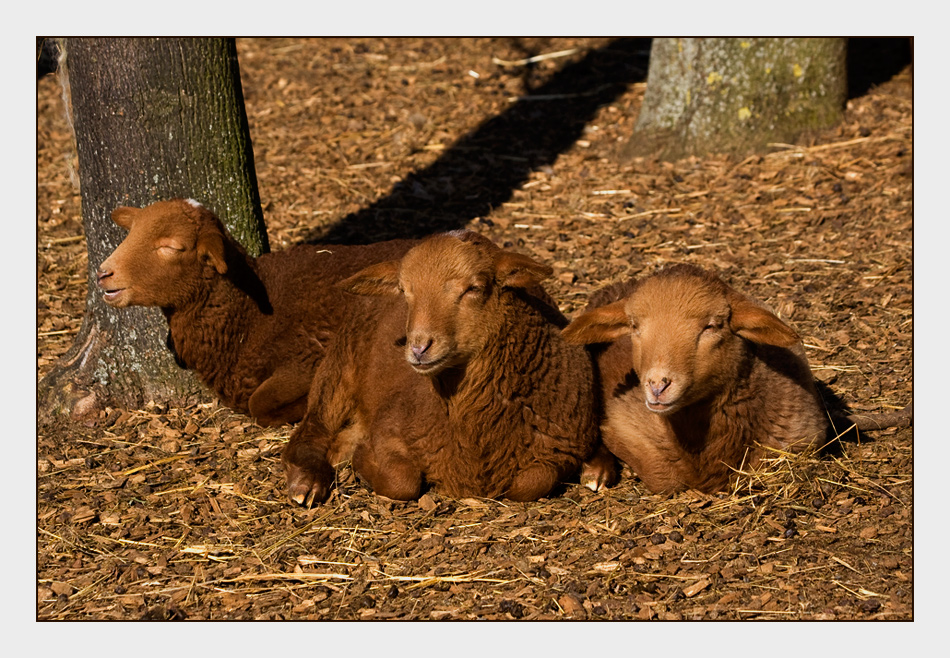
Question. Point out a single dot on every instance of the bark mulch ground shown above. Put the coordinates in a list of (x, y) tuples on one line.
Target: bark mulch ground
[(169, 513)]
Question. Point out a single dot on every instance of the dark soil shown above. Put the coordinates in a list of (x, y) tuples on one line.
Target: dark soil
[(168, 513)]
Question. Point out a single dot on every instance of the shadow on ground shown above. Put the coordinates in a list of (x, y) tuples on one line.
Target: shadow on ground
[(874, 60), (480, 171)]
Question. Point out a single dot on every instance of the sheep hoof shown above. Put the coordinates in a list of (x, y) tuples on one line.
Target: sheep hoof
[(593, 484), (304, 499), (600, 471), (599, 477), (305, 495), (306, 487)]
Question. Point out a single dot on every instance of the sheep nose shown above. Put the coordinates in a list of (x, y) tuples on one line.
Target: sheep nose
[(102, 274), (658, 388), (418, 350)]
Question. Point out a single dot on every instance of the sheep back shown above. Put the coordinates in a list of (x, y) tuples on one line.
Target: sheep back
[(246, 334)]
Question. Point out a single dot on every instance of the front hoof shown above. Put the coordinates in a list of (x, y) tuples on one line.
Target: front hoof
[(307, 486), (600, 471)]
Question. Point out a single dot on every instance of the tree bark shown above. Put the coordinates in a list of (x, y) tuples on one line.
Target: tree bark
[(153, 119), (730, 95)]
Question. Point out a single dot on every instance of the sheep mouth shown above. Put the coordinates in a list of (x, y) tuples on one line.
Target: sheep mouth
[(429, 367), (661, 407), (111, 296)]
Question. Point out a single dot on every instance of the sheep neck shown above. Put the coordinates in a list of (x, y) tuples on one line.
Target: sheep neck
[(727, 426), (521, 392), (691, 426), (721, 423), (499, 380), (206, 332)]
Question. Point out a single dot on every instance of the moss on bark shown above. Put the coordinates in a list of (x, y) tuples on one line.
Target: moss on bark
[(737, 95)]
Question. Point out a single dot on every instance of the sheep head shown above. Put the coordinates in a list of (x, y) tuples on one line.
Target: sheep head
[(171, 247), (688, 331), (452, 284)]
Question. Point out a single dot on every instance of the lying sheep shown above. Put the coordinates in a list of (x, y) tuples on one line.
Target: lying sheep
[(253, 329), (697, 379), (452, 373)]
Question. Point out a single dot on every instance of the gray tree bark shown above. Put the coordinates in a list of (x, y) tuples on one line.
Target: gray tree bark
[(734, 95), (154, 118)]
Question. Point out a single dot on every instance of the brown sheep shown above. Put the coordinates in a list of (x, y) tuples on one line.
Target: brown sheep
[(697, 379), (451, 373), (253, 329)]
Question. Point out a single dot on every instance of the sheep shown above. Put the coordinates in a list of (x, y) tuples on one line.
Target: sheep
[(450, 371), (698, 380), (253, 329)]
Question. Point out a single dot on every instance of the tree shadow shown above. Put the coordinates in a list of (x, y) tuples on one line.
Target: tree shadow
[(873, 60), (841, 430), (480, 171)]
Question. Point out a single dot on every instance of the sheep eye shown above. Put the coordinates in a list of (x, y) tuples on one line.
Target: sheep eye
[(712, 326), (473, 289), (169, 249)]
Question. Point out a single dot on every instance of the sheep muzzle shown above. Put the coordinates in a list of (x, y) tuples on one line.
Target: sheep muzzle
[(426, 355), (662, 393), (111, 291)]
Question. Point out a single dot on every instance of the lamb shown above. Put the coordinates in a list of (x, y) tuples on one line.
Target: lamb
[(698, 380), (253, 329), (451, 372)]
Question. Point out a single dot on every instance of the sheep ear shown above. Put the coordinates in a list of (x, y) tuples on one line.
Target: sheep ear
[(123, 216), (378, 279), (601, 325), (758, 324), (518, 271), (211, 250)]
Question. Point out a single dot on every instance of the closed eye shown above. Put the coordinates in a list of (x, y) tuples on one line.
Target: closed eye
[(713, 326), (476, 288), (169, 249)]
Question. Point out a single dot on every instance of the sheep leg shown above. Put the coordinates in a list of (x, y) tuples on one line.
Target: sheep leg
[(388, 468), (866, 422), (657, 460), (281, 398), (601, 470), (533, 483), (309, 474)]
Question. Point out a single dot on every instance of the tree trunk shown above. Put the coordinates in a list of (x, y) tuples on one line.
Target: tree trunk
[(737, 95), (153, 119)]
